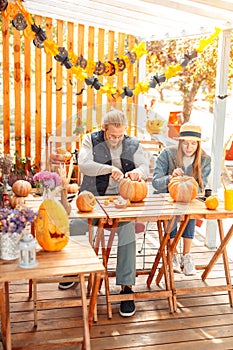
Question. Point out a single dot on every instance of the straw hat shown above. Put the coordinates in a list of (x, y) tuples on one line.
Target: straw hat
[(189, 131)]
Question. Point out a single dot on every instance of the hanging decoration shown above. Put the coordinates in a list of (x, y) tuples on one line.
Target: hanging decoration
[(85, 69)]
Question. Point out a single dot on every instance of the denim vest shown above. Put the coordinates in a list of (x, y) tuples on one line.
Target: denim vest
[(101, 154)]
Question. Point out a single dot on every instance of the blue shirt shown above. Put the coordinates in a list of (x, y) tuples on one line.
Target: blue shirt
[(166, 163)]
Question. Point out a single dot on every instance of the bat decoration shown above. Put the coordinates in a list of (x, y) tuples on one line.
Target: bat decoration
[(40, 36), (80, 92), (19, 22), (94, 82), (157, 80), (63, 58), (222, 97), (126, 92)]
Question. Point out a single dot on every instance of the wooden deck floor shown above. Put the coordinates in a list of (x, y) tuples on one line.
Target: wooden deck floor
[(201, 321)]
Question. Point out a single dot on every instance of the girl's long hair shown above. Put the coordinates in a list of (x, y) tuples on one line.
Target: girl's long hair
[(196, 164)]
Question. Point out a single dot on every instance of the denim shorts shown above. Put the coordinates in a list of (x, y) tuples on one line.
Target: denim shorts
[(188, 232)]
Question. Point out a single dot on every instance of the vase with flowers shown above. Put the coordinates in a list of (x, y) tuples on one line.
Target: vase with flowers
[(47, 183), (12, 225)]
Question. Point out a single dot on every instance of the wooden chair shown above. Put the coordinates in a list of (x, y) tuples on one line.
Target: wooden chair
[(60, 150), (152, 149), (227, 158)]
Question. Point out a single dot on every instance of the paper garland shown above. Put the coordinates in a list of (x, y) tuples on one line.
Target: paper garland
[(86, 69)]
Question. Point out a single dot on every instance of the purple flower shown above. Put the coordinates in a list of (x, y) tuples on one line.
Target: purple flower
[(48, 179), (15, 220)]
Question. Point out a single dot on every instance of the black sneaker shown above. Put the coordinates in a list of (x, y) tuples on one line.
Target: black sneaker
[(66, 285), (127, 307)]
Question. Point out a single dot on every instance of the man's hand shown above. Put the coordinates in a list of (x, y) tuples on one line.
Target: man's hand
[(117, 175), (134, 176)]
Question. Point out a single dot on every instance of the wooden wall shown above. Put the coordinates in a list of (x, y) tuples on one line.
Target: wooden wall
[(41, 97)]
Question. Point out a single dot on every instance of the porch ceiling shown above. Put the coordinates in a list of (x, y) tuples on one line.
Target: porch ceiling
[(147, 19)]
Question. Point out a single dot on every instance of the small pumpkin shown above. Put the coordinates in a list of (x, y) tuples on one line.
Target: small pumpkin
[(154, 126), (86, 201), (52, 226), (135, 191), (183, 188), (73, 188), (211, 202), (21, 188), (15, 200)]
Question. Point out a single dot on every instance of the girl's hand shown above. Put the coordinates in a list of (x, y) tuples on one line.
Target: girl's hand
[(177, 172)]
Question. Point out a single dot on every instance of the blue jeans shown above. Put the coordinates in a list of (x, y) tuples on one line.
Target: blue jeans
[(126, 249), (188, 231)]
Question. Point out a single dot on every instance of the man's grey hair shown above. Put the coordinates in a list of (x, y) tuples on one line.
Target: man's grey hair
[(116, 118)]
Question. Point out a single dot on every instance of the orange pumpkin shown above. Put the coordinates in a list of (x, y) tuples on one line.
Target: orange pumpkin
[(85, 201), (154, 126), (183, 188), (21, 188), (73, 188), (211, 202), (15, 200), (52, 226), (135, 191)]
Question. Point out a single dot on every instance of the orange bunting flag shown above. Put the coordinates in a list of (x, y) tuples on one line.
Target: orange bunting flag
[(172, 71), (73, 58), (90, 67), (108, 89), (28, 33), (78, 72), (141, 88), (205, 42), (50, 47), (140, 49), (11, 11)]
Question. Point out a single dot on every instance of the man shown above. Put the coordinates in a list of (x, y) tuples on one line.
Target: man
[(106, 157)]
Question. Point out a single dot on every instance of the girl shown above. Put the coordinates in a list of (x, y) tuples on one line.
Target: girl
[(190, 159)]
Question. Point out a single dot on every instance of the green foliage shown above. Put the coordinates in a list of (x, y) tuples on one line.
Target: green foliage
[(20, 165)]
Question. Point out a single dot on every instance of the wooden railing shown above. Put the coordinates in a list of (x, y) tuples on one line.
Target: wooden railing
[(41, 97)]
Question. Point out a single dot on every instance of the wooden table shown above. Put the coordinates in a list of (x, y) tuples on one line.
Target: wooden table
[(75, 259), (197, 210), (34, 202), (163, 210), (149, 210)]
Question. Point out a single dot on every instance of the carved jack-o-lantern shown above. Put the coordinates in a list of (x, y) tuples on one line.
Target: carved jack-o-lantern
[(85, 201), (52, 226)]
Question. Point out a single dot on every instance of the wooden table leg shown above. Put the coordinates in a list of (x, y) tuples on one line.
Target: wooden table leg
[(174, 243), (163, 244), (5, 315), (222, 250), (86, 331), (105, 256), (93, 299), (166, 266), (157, 259)]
